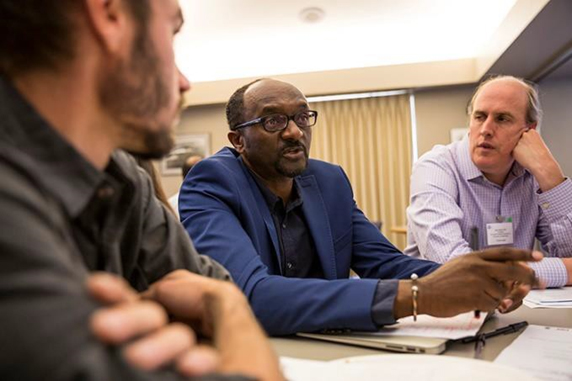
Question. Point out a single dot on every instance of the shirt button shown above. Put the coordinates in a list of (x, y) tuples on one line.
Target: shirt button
[(545, 205), (283, 226), (289, 265), (105, 192)]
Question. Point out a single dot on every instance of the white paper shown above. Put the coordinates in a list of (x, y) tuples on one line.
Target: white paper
[(453, 328), (530, 304), (399, 368), (544, 352), (550, 298)]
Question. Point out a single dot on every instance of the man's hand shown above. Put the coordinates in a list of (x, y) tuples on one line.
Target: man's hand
[(157, 342), (194, 299), (514, 298), (568, 264), (477, 281), (532, 153), (219, 309)]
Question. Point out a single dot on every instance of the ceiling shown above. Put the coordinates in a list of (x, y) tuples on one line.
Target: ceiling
[(358, 45), (562, 72), (544, 49)]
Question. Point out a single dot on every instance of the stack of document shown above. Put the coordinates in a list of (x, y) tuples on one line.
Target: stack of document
[(550, 298), (543, 352)]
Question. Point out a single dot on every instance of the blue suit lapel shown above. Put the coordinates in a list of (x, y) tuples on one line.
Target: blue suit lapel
[(318, 223), (262, 207)]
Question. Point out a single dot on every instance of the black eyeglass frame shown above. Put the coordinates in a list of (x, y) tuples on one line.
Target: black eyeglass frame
[(288, 119)]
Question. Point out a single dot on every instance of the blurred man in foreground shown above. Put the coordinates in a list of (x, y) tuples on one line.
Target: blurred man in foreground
[(80, 81)]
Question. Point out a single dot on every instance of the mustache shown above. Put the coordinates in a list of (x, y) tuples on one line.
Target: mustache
[(289, 146)]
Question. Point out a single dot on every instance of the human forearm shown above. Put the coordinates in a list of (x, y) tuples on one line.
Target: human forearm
[(552, 272), (545, 169), (548, 176), (218, 310), (474, 282), (243, 346), (568, 263), (533, 154), (403, 305)]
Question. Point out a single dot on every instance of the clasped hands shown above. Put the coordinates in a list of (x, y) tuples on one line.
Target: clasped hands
[(157, 327)]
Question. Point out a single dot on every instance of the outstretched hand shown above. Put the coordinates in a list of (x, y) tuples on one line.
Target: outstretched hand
[(479, 281)]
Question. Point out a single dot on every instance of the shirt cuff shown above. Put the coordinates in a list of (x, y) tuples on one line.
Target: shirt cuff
[(556, 202), (383, 301), (551, 271)]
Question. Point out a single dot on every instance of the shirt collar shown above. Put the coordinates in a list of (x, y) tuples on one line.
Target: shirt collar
[(467, 168), (271, 199), (54, 163)]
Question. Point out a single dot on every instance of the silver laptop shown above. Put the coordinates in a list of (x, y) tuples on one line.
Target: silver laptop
[(408, 344)]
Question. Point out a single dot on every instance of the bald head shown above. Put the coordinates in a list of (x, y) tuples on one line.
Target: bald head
[(275, 129), (517, 86), (267, 97), (253, 93)]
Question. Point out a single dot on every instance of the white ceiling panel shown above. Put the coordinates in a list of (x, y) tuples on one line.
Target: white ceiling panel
[(228, 39)]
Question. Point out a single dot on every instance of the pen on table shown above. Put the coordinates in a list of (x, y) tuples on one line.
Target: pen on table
[(479, 345), (474, 244), (511, 328)]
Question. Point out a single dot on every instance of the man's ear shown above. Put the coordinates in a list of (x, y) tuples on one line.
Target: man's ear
[(110, 23), (237, 140), (532, 126)]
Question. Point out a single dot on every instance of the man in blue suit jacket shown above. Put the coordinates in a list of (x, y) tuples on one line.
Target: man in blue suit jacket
[(288, 230)]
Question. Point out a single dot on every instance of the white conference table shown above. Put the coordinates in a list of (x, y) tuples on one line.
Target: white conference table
[(303, 348)]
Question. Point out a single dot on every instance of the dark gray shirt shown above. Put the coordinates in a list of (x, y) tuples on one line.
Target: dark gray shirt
[(298, 253), (60, 219)]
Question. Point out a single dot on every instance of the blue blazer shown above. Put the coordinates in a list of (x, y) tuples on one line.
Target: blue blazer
[(228, 219)]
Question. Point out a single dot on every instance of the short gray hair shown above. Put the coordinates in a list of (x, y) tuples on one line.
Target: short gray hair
[(534, 110)]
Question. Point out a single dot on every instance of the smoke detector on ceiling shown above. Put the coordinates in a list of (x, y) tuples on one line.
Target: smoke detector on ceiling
[(312, 15)]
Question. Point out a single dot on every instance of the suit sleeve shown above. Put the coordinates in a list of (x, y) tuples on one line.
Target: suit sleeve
[(212, 212), (373, 256), (45, 309)]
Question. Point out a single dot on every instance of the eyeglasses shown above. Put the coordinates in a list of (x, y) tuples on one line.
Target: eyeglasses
[(279, 122)]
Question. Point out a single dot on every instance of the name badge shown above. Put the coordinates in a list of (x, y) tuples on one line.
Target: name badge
[(500, 233)]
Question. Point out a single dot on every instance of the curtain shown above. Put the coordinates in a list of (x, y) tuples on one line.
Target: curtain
[(371, 139)]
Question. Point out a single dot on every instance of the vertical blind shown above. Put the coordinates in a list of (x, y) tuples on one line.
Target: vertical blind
[(371, 139)]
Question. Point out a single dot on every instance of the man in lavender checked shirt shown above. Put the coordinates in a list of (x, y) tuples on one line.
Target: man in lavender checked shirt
[(501, 179)]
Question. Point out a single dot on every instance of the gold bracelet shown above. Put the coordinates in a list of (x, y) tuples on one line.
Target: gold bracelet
[(414, 292)]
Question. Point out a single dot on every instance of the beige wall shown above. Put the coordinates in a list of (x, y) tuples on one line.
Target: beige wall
[(209, 119), (438, 111), (556, 99)]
